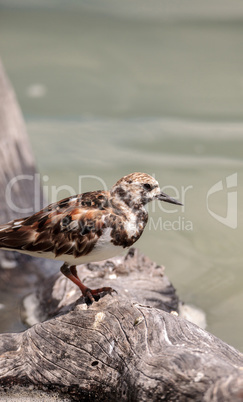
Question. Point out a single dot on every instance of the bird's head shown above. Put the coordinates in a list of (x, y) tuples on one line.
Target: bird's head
[(139, 189)]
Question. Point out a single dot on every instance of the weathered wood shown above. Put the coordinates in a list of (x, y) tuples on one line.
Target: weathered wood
[(120, 348), (18, 273), (134, 276), (20, 195), (20, 191), (129, 346)]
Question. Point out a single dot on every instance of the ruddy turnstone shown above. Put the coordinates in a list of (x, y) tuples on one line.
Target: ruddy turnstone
[(88, 227)]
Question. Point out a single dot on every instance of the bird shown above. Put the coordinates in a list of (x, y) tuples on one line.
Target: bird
[(87, 227)]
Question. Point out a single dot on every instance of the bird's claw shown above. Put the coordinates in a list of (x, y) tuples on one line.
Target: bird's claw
[(92, 295)]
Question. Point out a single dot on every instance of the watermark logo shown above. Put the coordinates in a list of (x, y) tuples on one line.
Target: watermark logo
[(173, 217), (230, 219), (179, 224)]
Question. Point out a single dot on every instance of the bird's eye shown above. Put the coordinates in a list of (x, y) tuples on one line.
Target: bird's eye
[(147, 186)]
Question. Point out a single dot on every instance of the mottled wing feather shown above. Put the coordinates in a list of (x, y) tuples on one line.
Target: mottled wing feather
[(71, 226)]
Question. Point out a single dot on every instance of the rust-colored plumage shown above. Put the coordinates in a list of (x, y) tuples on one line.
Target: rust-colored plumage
[(87, 227)]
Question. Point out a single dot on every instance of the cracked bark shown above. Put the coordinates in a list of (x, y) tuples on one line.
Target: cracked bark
[(128, 346)]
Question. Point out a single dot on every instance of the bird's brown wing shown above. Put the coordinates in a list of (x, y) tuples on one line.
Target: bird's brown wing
[(71, 226)]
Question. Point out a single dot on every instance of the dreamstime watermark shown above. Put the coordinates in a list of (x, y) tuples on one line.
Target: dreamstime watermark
[(179, 223)]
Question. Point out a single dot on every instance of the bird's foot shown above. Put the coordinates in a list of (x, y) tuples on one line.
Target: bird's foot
[(92, 295)]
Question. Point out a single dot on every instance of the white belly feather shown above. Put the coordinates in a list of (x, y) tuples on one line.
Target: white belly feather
[(102, 250)]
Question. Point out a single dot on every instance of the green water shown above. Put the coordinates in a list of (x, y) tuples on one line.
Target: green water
[(110, 89)]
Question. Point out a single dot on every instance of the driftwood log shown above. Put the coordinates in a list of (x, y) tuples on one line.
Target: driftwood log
[(128, 346), (20, 192), (119, 348)]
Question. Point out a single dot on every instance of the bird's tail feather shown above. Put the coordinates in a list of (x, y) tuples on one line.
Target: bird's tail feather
[(10, 238)]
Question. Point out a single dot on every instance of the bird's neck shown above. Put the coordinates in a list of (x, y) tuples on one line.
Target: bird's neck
[(135, 218), (128, 206)]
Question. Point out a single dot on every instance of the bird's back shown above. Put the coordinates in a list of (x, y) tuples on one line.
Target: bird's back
[(78, 229)]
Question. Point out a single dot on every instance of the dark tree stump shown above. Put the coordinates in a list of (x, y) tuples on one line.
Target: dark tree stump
[(130, 346)]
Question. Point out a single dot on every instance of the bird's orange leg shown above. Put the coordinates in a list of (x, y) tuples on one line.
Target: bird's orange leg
[(71, 273)]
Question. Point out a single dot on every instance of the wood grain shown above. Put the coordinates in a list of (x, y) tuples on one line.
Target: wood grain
[(120, 349)]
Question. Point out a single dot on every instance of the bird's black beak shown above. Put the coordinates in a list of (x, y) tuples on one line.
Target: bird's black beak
[(166, 198)]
